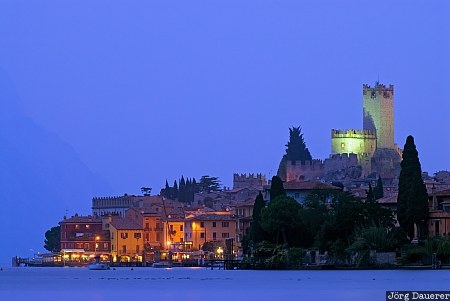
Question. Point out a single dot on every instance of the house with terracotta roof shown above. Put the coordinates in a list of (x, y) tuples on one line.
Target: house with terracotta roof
[(439, 213), (214, 228), (299, 190), (127, 243), (83, 237)]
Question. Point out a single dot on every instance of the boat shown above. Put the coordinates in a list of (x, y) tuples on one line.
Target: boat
[(97, 265), (161, 264)]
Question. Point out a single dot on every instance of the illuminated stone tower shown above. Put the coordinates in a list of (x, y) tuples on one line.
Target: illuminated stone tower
[(378, 113)]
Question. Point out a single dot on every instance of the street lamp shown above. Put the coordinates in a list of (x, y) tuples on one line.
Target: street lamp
[(97, 238)]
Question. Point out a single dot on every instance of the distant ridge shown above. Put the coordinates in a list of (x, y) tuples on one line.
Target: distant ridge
[(41, 177)]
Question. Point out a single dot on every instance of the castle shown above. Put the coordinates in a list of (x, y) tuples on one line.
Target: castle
[(358, 153), (374, 144)]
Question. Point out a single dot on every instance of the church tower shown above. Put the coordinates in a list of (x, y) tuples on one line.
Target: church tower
[(378, 113)]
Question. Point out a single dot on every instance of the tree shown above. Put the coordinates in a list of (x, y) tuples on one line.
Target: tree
[(281, 220), (257, 233), (412, 200), (52, 240), (378, 192), (276, 188), (370, 199), (296, 150), (146, 191), (209, 184)]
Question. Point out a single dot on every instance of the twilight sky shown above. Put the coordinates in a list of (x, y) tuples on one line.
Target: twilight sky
[(146, 91)]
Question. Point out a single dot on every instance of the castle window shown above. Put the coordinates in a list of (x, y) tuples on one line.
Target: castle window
[(342, 145)]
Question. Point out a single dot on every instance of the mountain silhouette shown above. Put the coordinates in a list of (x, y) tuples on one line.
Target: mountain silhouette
[(41, 177)]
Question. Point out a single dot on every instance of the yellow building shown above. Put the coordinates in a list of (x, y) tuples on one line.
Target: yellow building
[(127, 243), (214, 228)]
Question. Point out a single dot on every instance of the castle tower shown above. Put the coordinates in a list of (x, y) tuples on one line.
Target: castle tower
[(378, 113)]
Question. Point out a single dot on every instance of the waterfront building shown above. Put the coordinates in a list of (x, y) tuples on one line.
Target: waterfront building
[(126, 240), (83, 237)]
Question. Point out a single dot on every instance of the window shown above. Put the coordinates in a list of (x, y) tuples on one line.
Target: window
[(342, 145), (181, 228), (214, 235), (137, 235), (202, 224), (147, 237), (77, 226), (214, 224), (124, 249), (147, 226), (112, 235), (225, 235), (202, 235), (105, 246), (225, 224), (124, 235), (86, 246), (171, 228), (88, 226)]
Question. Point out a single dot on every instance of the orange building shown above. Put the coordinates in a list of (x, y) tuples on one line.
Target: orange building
[(127, 242)]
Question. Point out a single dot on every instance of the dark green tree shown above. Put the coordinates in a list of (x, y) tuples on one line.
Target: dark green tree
[(52, 240), (257, 233), (276, 188), (174, 193), (296, 150), (182, 190), (146, 191), (281, 220), (412, 200), (209, 184), (370, 199), (378, 192)]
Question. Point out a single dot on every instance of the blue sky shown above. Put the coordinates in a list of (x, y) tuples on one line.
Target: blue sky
[(146, 91)]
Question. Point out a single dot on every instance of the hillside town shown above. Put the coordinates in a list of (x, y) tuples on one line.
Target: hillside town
[(189, 223)]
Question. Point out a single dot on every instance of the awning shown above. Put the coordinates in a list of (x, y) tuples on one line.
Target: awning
[(72, 251)]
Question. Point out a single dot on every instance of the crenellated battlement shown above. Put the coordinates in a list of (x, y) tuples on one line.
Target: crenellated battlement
[(244, 176), (249, 180), (359, 134)]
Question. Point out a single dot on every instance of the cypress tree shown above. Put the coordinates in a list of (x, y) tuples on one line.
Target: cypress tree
[(412, 201), (276, 188), (378, 190), (182, 190), (370, 195), (175, 190), (296, 150), (257, 233)]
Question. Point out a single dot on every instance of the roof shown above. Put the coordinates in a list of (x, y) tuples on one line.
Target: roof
[(445, 192), (212, 217), (125, 224), (81, 220), (391, 199), (247, 203), (308, 185)]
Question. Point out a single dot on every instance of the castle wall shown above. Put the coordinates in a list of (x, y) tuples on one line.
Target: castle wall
[(257, 181), (378, 113), (310, 170), (361, 143)]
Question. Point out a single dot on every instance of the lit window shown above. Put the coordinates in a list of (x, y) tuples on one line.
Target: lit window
[(88, 226), (342, 145)]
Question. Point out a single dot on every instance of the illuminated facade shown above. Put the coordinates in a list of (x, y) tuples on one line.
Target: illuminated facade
[(374, 145)]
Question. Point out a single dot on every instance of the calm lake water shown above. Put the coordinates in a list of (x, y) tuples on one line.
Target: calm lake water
[(25, 283)]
